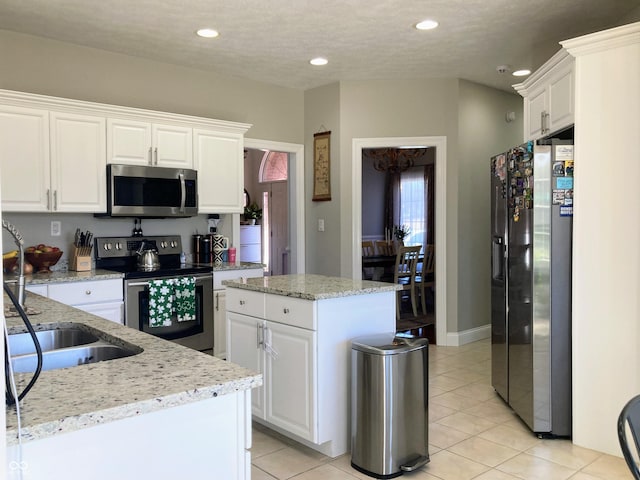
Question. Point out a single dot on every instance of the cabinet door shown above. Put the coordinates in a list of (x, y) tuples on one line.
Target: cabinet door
[(128, 142), (537, 108), (290, 363), (172, 146), (219, 324), (561, 100), (244, 335), (110, 311), (218, 157), (78, 163), (24, 159)]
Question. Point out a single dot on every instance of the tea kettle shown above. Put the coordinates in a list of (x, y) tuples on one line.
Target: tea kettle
[(147, 258)]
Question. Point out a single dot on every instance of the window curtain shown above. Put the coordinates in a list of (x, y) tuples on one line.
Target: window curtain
[(392, 201), (412, 205), (429, 201)]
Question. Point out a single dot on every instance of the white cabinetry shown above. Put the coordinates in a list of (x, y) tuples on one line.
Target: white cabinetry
[(251, 243), (24, 158), (141, 143), (219, 306), (549, 97), (302, 348), (102, 298), (78, 163), (219, 160), (52, 161)]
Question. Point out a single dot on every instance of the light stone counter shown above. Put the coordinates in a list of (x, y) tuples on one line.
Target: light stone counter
[(165, 374), (64, 276), (311, 287)]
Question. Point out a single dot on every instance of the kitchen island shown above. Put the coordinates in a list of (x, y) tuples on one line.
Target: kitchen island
[(167, 412), (297, 330)]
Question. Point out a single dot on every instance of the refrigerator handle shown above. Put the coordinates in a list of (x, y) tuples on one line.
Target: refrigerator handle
[(497, 258)]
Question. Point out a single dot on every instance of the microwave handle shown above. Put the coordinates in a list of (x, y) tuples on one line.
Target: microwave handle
[(183, 190)]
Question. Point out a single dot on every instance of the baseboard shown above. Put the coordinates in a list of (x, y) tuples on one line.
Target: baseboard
[(456, 339)]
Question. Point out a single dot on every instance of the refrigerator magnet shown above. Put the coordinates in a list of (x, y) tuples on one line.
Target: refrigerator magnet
[(566, 211), (558, 169), (558, 197), (564, 183)]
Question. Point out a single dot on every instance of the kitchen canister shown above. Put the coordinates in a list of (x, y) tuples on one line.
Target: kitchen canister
[(220, 245), (197, 248)]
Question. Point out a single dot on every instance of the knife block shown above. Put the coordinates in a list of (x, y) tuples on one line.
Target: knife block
[(80, 259)]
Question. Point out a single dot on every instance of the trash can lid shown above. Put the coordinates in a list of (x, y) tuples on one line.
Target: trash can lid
[(388, 344)]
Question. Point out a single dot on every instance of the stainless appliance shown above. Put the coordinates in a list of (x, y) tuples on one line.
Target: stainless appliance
[(121, 254), (142, 191), (531, 227)]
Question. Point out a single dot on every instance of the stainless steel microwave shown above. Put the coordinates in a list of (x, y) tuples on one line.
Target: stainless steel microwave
[(140, 191)]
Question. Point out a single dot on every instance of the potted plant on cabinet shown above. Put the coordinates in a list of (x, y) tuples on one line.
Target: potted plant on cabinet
[(252, 213)]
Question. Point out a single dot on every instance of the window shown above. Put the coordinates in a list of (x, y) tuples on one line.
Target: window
[(274, 167), (412, 205)]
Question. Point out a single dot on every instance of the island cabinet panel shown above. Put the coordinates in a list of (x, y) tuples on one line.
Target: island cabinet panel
[(303, 349), (168, 443)]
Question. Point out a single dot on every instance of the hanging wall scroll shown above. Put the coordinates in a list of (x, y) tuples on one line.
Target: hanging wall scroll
[(321, 166)]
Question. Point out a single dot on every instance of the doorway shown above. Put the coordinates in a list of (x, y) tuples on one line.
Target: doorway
[(440, 145), (289, 220)]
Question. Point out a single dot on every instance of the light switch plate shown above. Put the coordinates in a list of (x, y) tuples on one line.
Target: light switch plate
[(321, 224), (56, 228)]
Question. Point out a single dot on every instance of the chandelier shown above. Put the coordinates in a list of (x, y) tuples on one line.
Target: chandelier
[(394, 160)]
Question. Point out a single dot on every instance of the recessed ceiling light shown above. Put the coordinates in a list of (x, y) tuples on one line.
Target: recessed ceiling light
[(207, 33), (318, 61), (427, 25), (521, 73)]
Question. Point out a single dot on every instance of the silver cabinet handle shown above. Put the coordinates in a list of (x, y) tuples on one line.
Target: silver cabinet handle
[(150, 158), (48, 199), (242, 302), (156, 154), (87, 292), (55, 200), (260, 335), (217, 302), (286, 310)]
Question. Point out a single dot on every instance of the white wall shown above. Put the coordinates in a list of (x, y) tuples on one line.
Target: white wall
[(606, 248)]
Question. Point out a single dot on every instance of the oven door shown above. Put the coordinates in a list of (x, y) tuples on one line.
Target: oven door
[(196, 334)]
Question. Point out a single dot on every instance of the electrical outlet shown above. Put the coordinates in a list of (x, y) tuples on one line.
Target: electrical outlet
[(321, 224), (56, 228)]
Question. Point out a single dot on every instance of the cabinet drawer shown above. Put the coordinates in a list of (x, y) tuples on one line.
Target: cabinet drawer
[(246, 302), (77, 293), (291, 311)]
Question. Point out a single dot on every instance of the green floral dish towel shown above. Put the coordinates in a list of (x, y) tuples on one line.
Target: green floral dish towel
[(171, 296)]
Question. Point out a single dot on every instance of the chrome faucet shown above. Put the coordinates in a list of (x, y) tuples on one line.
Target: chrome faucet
[(17, 236)]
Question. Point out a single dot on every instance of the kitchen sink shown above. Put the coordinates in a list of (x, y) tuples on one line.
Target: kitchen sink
[(65, 346), (22, 343)]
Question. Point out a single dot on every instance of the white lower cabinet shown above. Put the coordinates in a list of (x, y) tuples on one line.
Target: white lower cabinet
[(220, 308), (103, 298), (303, 350)]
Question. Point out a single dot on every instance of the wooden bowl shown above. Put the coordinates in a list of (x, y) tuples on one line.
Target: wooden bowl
[(42, 261), (9, 263)]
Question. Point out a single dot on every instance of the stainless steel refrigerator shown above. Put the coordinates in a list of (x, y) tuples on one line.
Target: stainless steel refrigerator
[(531, 228)]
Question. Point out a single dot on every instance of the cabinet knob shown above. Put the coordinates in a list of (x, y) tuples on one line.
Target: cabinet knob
[(87, 292), (242, 302), (286, 310)]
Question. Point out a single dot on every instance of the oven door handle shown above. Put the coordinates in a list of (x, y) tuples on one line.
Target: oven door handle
[(146, 284)]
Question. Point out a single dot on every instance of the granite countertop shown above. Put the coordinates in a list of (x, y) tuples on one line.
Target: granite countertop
[(164, 375), (233, 266), (62, 276), (311, 287)]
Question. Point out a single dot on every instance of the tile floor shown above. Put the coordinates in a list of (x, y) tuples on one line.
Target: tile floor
[(472, 435)]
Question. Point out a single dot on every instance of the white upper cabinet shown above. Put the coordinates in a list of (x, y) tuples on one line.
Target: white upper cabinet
[(549, 97), (51, 161), (219, 160), (78, 163), (135, 142), (24, 159)]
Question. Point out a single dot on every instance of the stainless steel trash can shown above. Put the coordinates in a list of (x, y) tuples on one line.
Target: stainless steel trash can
[(389, 404)]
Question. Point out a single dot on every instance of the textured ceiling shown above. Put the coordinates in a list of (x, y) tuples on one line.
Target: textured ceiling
[(272, 40)]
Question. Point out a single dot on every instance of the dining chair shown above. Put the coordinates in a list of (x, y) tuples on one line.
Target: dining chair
[(384, 247), (426, 276), (405, 275), (368, 249), (630, 416)]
